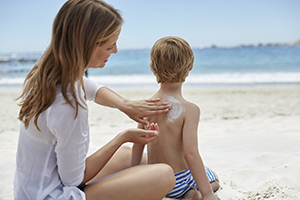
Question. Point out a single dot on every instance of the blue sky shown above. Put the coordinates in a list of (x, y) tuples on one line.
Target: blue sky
[(26, 25)]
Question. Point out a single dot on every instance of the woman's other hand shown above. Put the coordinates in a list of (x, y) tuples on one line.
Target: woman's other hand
[(141, 136)]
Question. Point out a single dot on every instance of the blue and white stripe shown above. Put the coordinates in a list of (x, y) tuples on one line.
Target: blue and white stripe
[(210, 175), (185, 181)]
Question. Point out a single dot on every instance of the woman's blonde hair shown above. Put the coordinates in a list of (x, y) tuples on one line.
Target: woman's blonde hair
[(171, 59), (79, 26)]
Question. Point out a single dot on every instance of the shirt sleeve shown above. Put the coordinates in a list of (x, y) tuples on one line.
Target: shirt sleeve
[(72, 141), (91, 88)]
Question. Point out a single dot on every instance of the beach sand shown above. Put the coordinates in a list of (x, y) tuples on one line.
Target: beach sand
[(250, 136)]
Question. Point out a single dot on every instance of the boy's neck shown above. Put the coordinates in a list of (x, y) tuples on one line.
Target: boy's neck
[(171, 87)]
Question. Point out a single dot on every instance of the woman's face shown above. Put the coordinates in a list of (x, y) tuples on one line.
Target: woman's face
[(102, 52)]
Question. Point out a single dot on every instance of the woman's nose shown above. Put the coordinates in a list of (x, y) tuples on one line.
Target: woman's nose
[(115, 50)]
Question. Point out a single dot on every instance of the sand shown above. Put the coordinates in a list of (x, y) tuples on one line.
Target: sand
[(250, 136)]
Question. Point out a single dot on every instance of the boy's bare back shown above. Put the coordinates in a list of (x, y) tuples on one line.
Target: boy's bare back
[(177, 128)]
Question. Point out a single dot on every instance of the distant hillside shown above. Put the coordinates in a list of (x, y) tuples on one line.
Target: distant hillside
[(296, 43)]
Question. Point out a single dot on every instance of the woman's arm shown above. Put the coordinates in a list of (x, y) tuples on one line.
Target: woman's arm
[(136, 110), (98, 160)]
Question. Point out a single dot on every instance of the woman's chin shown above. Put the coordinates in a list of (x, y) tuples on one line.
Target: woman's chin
[(102, 65), (97, 66)]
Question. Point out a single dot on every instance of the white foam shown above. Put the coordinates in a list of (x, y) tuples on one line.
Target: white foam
[(124, 79), (194, 79), (248, 78), (12, 81), (227, 78)]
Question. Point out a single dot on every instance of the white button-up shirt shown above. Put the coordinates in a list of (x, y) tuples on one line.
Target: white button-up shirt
[(51, 163)]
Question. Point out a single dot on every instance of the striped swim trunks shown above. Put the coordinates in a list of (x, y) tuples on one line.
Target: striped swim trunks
[(185, 182)]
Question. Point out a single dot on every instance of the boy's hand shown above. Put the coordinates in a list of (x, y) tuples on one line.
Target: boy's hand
[(153, 127), (195, 194), (211, 196)]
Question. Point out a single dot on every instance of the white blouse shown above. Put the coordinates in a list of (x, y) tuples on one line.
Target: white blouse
[(51, 163)]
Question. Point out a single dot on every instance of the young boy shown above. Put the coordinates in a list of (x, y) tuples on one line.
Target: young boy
[(171, 59)]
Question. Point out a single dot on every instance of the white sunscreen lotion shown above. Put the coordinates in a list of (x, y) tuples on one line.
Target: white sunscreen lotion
[(176, 109)]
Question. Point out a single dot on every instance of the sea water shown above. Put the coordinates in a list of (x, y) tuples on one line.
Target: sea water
[(212, 66)]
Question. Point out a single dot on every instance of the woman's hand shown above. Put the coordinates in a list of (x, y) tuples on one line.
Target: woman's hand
[(136, 110), (139, 109), (141, 136)]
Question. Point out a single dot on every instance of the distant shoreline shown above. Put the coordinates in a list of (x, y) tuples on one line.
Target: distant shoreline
[(270, 44)]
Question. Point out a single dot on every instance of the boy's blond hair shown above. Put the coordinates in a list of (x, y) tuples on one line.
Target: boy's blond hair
[(171, 59)]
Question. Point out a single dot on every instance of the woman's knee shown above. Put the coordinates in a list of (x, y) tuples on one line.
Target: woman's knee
[(166, 175)]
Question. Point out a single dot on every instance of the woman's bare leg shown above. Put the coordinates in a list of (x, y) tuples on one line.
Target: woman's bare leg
[(147, 182), (121, 160)]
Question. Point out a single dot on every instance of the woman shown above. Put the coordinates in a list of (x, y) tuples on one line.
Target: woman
[(54, 133)]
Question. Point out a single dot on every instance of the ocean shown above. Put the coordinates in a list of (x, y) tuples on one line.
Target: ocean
[(238, 66)]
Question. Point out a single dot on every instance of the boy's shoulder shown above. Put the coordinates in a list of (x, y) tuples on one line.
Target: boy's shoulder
[(191, 107), (191, 113)]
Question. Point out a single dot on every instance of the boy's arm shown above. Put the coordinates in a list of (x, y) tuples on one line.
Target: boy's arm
[(191, 153), (137, 151)]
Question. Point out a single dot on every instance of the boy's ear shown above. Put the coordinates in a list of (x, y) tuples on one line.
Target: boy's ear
[(188, 73)]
